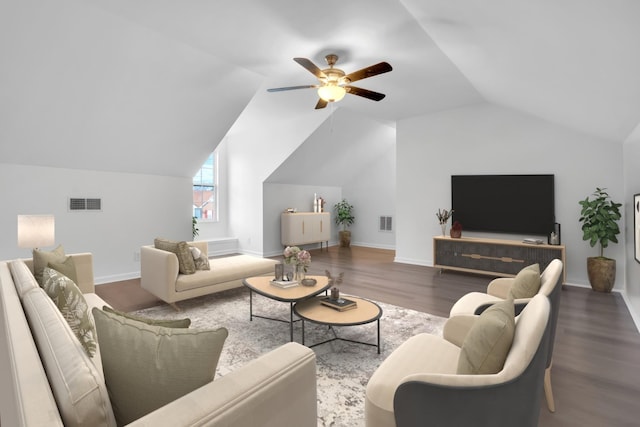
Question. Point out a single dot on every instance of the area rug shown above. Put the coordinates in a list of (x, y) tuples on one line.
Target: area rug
[(344, 368)]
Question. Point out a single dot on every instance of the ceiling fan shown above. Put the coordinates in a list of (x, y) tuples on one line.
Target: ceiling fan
[(334, 83)]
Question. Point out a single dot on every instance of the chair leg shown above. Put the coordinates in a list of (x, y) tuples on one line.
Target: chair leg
[(176, 308), (548, 392)]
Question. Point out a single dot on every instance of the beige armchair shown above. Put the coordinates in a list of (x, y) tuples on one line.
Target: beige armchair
[(498, 290), (417, 384)]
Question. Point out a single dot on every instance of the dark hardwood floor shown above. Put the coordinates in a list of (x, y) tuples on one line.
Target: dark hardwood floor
[(596, 362)]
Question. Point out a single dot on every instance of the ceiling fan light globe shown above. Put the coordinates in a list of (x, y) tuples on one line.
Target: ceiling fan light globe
[(331, 93)]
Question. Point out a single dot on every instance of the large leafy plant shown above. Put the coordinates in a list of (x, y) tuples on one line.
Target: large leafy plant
[(344, 213), (599, 217)]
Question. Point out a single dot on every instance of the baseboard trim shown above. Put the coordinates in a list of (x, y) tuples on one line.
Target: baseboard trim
[(116, 278)]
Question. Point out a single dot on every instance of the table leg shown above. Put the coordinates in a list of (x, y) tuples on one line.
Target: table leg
[(378, 336), (291, 319), (250, 305), (302, 331)]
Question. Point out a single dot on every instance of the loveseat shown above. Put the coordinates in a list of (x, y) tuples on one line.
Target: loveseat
[(49, 380), (160, 273)]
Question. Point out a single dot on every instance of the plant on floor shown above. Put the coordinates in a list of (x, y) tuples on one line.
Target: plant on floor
[(345, 218), (599, 217)]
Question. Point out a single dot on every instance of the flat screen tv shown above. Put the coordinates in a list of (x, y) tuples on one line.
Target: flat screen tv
[(518, 204)]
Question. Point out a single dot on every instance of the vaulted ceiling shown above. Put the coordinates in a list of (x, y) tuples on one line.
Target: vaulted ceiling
[(102, 84)]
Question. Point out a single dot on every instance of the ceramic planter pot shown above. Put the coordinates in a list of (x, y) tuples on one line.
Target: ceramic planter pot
[(602, 273), (345, 238)]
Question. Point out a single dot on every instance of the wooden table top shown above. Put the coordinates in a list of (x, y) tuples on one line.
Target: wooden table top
[(262, 285), (311, 309)]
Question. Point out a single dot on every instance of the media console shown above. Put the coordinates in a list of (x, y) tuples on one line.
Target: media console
[(493, 257)]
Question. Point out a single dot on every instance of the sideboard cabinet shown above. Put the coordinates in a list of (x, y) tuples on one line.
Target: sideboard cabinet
[(495, 257), (303, 228)]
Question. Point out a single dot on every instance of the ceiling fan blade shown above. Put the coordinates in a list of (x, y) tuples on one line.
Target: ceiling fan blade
[(369, 94), (311, 67), (321, 104), (370, 71), (280, 89)]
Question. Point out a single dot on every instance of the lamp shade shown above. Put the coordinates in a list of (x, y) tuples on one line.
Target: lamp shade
[(36, 231), (331, 92)]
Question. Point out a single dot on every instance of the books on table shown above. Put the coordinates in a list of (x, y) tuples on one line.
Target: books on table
[(284, 283), (340, 304)]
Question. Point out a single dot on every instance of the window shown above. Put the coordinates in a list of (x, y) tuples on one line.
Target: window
[(205, 191)]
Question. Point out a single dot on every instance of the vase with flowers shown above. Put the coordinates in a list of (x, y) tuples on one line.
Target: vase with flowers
[(299, 259), (443, 216)]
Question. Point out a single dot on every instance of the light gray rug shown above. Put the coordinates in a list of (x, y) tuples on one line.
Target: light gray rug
[(344, 368)]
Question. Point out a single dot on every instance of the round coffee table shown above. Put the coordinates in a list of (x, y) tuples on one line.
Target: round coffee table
[(313, 310), (262, 285)]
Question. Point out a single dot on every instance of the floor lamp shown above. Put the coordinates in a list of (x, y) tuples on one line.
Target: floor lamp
[(36, 231)]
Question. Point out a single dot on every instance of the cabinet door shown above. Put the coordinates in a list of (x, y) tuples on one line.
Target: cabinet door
[(318, 227), (292, 229)]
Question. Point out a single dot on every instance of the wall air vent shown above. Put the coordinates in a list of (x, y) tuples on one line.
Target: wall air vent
[(386, 223), (84, 204)]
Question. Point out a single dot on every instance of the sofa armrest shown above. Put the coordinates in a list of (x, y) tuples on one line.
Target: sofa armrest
[(276, 389), (159, 272), (84, 272), (500, 287)]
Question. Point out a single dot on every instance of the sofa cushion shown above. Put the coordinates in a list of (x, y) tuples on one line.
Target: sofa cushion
[(167, 323), (182, 251), (200, 259), (42, 258), (22, 277), (146, 367), (486, 346), (526, 283), (77, 386), (67, 267), (71, 303)]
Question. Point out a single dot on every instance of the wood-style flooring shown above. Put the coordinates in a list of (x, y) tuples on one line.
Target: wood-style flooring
[(596, 362)]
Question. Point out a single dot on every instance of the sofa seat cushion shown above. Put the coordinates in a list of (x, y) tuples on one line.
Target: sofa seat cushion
[(78, 388), (420, 353), (23, 279), (226, 269), (147, 367)]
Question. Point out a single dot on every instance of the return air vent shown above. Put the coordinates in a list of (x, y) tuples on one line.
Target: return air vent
[(386, 223), (84, 204)]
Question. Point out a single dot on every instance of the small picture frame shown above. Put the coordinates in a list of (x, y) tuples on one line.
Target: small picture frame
[(636, 225)]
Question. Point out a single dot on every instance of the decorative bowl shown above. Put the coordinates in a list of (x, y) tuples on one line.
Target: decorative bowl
[(308, 282)]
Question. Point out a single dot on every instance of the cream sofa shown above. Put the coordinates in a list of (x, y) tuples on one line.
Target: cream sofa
[(32, 375), (159, 273)]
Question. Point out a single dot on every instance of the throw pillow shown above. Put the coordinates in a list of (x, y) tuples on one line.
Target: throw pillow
[(526, 283), (67, 267), (486, 346), (71, 303), (200, 259), (181, 249), (42, 258), (146, 367), (167, 323)]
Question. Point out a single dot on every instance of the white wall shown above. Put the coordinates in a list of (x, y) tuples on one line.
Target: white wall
[(488, 139), (135, 209), (632, 187)]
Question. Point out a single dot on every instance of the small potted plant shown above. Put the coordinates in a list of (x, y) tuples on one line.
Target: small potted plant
[(344, 217), (599, 219), (456, 230)]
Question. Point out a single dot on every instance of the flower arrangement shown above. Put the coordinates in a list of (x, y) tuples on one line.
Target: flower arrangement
[(295, 255), (444, 215)]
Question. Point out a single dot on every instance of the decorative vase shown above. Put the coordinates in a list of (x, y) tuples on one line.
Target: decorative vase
[(298, 273), (602, 273), (444, 229), (456, 234)]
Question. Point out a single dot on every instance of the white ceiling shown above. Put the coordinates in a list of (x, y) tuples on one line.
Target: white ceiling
[(113, 80)]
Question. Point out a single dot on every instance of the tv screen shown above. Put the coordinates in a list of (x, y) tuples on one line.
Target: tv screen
[(519, 204)]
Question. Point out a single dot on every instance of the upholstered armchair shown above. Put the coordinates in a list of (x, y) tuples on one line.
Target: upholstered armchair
[(498, 290), (419, 383)]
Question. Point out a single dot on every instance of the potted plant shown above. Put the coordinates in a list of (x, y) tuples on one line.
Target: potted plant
[(599, 218), (344, 217)]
